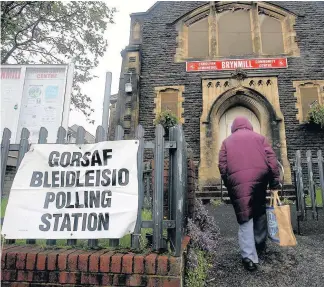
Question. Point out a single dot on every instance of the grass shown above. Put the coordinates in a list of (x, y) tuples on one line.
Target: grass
[(4, 202), (319, 199), (196, 277)]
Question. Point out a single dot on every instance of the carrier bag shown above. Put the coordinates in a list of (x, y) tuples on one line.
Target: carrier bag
[(279, 222)]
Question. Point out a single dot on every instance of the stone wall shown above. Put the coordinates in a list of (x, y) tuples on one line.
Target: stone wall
[(159, 69)]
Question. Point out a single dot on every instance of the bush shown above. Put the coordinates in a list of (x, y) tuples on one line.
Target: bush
[(204, 236), (316, 115), (167, 119)]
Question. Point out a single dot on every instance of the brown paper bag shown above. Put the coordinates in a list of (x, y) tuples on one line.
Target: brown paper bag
[(279, 222)]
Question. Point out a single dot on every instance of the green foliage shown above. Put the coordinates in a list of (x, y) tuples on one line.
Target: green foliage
[(57, 32), (4, 202), (196, 277), (216, 202), (319, 199), (316, 115), (287, 201), (167, 119)]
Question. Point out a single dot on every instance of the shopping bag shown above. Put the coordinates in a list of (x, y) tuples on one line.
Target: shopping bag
[(279, 222)]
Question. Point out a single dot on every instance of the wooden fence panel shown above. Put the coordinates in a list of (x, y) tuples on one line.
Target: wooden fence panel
[(119, 135), (100, 137), (42, 139), (158, 188), (311, 185), (61, 134), (300, 186), (23, 148), (320, 162), (137, 232), (5, 146), (177, 181), (179, 168)]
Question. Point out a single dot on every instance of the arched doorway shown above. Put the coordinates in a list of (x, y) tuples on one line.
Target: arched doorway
[(226, 121), (216, 122)]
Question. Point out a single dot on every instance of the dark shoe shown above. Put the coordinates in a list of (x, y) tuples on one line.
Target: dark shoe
[(248, 264)]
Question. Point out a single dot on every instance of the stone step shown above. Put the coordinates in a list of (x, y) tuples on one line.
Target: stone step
[(219, 188), (227, 200), (218, 193)]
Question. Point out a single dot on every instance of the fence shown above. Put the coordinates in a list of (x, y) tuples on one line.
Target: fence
[(177, 200), (309, 195)]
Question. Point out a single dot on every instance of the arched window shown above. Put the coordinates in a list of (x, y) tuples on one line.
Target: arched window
[(234, 33), (198, 39), (271, 35), (137, 31), (222, 29)]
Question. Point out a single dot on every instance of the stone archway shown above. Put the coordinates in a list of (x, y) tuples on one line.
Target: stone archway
[(271, 126)]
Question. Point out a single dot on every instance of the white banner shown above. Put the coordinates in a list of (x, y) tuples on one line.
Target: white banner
[(74, 192)]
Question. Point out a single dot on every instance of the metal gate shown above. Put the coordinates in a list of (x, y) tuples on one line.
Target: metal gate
[(309, 185)]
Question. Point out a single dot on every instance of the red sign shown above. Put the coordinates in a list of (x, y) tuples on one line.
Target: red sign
[(245, 64)]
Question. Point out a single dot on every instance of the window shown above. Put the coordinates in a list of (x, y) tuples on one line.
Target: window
[(132, 59), (307, 94), (169, 101), (169, 98), (136, 31), (271, 35), (198, 40), (234, 33), (223, 29)]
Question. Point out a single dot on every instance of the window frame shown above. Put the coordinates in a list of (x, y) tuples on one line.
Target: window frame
[(213, 11), (319, 84), (179, 90)]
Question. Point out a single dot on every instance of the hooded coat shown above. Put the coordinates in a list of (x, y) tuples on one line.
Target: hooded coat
[(247, 164)]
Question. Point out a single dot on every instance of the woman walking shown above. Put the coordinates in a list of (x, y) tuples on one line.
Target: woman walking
[(247, 165)]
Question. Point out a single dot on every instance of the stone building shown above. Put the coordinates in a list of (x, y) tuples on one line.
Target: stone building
[(209, 62)]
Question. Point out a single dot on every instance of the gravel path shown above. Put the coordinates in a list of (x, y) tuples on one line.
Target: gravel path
[(298, 266)]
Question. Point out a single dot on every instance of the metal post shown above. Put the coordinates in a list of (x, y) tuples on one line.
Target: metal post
[(106, 103)]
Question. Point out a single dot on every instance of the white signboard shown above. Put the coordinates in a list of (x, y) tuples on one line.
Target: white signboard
[(74, 192), (39, 97), (11, 94)]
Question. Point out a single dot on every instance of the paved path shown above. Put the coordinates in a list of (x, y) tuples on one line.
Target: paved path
[(298, 266)]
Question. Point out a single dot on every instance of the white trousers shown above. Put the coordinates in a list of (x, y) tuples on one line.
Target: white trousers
[(250, 233)]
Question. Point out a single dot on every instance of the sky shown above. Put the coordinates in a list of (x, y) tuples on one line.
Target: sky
[(118, 38)]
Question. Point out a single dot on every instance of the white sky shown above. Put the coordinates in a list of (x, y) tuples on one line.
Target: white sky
[(118, 38)]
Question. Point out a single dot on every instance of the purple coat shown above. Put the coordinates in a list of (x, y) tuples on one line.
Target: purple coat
[(247, 164)]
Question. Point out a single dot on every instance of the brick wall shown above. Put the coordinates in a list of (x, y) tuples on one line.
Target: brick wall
[(159, 69), (34, 266)]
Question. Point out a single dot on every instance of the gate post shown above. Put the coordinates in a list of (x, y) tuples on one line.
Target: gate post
[(5, 145), (158, 188), (179, 183), (300, 186), (119, 135), (137, 232), (311, 185), (321, 172)]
